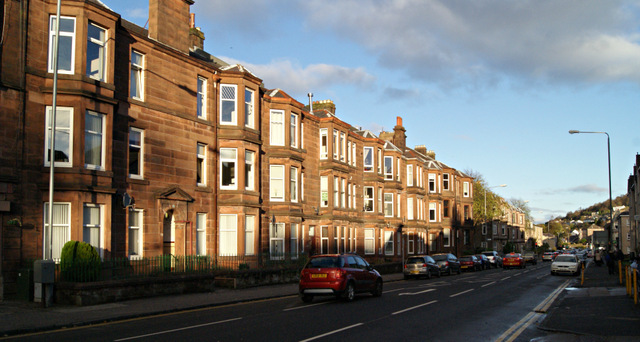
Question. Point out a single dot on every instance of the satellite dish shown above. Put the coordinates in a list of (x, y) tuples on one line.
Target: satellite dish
[(127, 200)]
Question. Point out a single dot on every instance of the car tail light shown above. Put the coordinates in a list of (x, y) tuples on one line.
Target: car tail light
[(405, 265), (446, 263), (424, 265), (340, 274)]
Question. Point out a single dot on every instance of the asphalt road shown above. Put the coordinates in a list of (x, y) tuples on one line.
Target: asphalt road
[(492, 305)]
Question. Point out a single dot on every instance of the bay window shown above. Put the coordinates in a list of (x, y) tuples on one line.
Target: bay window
[(66, 44), (96, 56), (276, 182), (228, 169)]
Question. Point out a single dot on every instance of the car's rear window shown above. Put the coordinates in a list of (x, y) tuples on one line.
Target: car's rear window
[(488, 253), (465, 258), (325, 262), (566, 258), (415, 261), (440, 257)]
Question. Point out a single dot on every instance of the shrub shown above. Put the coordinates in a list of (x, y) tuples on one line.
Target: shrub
[(79, 261)]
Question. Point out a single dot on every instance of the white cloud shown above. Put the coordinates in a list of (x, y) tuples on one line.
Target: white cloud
[(461, 42), (588, 188), (298, 81)]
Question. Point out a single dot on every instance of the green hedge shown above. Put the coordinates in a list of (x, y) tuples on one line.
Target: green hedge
[(79, 261)]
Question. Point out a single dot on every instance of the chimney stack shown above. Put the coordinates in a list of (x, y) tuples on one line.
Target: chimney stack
[(326, 105), (399, 136), (169, 23), (196, 37)]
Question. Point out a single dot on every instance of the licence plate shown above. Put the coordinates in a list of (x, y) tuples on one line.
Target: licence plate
[(320, 275), (415, 272)]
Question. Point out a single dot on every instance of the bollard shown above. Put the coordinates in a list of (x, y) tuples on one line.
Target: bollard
[(582, 276), (627, 275), (635, 286), (620, 270)]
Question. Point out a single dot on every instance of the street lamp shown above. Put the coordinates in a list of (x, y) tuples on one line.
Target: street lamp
[(609, 161)]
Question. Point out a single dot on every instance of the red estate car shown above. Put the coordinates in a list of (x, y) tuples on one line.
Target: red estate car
[(340, 275), (513, 260)]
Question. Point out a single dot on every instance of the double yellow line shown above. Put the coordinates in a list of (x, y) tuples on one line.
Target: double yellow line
[(515, 331)]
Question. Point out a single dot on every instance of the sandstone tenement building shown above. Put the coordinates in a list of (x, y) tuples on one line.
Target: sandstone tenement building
[(162, 148)]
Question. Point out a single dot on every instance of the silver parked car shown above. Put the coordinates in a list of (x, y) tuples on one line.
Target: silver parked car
[(421, 266), (494, 258)]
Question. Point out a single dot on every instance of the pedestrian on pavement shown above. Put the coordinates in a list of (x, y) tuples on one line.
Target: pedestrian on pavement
[(598, 258), (619, 255), (608, 259)]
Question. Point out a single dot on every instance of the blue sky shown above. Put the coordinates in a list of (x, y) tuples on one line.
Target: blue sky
[(491, 86)]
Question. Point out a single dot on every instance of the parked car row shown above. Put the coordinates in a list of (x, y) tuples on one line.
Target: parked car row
[(345, 275)]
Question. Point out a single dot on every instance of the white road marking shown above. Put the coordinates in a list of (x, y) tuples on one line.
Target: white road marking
[(505, 278), (305, 306), (460, 293), (415, 293), (179, 329), (331, 332), (491, 283), (414, 307)]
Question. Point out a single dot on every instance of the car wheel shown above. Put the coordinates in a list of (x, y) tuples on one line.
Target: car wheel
[(459, 270), (349, 292), (377, 291), (439, 274), (428, 274), (552, 273), (307, 298), (450, 271), (406, 277)]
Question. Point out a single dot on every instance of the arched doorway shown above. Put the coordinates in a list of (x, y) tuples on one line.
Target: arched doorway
[(169, 233)]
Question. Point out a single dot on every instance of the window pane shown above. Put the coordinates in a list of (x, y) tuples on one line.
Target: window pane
[(93, 139), (249, 235), (95, 52)]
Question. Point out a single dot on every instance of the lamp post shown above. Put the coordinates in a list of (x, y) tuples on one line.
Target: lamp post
[(609, 163)]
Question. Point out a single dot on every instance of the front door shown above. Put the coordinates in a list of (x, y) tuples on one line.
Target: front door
[(168, 234)]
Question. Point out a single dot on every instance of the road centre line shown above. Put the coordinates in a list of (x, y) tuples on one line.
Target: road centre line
[(305, 306), (414, 307), (179, 329), (395, 290), (491, 283), (415, 293), (460, 293), (505, 278), (331, 332)]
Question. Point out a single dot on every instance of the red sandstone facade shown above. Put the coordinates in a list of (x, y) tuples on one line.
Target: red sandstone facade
[(215, 164)]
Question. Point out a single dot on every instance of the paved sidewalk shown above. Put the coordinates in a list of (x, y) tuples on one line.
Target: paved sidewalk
[(598, 310)]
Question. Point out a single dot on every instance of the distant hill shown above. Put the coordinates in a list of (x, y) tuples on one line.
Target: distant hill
[(599, 208)]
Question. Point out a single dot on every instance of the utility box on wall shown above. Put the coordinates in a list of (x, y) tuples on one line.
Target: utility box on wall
[(43, 278), (44, 271)]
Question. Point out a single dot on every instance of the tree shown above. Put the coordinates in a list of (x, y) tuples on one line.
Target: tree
[(493, 202), (522, 205), (509, 247)]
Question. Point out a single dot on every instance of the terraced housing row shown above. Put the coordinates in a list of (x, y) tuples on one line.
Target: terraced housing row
[(162, 148)]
